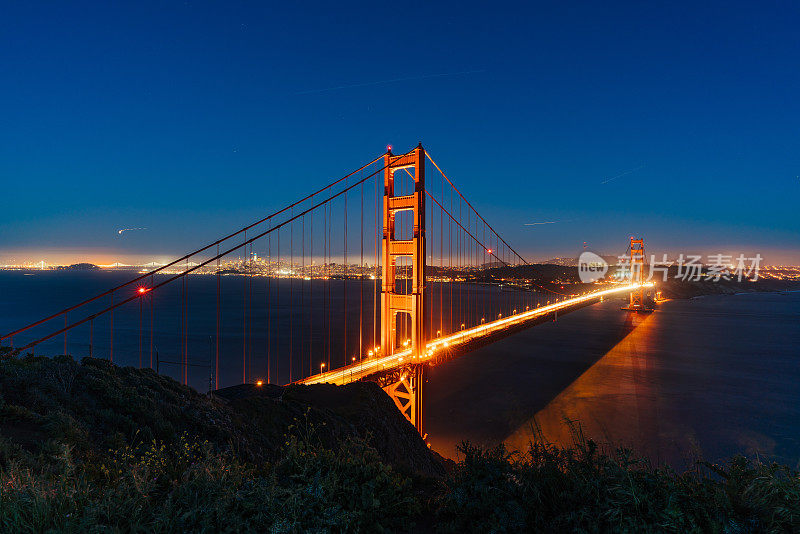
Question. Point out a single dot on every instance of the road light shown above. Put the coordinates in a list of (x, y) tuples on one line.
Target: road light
[(321, 367)]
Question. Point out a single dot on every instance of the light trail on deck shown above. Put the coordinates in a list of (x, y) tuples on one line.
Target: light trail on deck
[(371, 365)]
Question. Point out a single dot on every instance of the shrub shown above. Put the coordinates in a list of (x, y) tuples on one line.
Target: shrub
[(551, 489), (187, 487)]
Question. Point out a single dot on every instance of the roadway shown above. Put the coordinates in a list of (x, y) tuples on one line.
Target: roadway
[(374, 364)]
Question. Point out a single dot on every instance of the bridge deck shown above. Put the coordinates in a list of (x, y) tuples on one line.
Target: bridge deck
[(369, 366)]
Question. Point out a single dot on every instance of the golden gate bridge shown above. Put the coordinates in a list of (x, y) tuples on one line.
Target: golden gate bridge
[(379, 274)]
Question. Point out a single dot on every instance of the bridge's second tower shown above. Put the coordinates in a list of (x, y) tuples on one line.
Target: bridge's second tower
[(406, 302), (637, 267)]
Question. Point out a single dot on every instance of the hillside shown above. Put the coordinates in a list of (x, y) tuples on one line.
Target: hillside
[(94, 405), (682, 289), (89, 446)]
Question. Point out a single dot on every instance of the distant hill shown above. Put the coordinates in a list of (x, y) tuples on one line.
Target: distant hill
[(79, 267), (573, 262)]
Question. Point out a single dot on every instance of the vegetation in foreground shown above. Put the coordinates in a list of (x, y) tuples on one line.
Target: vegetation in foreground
[(57, 473)]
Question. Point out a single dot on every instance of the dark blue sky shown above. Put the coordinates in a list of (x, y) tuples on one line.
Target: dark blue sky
[(193, 118)]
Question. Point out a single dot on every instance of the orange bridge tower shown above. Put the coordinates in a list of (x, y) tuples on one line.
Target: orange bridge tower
[(638, 301), (404, 384)]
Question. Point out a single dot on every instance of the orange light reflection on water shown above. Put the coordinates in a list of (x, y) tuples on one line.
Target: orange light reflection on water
[(615, 400)]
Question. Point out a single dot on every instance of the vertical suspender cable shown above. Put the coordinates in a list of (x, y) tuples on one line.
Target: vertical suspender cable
[(460, 259), (250, 312), (344, 277), (303, 291), (325, 325), (377, 273), (361, 283), (278, 309), (216, 357), (186, 326), (330, 286), (311, 293), (429, 275), (244, 321), (150, 294), (450, 237), (269, 307), (291, 298)]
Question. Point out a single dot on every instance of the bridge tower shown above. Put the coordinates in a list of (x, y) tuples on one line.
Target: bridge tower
[(637, 266), (404, 385)]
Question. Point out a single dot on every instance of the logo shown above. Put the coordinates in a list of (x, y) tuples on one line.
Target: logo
[(591, 267)]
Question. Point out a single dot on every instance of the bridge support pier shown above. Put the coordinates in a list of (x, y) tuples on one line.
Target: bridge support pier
[(405, 387)]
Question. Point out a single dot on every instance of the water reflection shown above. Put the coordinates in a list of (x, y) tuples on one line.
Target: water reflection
[(617, 399), (709, 377)]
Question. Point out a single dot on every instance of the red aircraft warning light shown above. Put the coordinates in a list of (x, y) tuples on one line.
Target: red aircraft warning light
[(488, 251), (142, 290)]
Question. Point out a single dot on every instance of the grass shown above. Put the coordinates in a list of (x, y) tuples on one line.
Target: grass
[(578, 489), (92, 447), (188, 487)]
